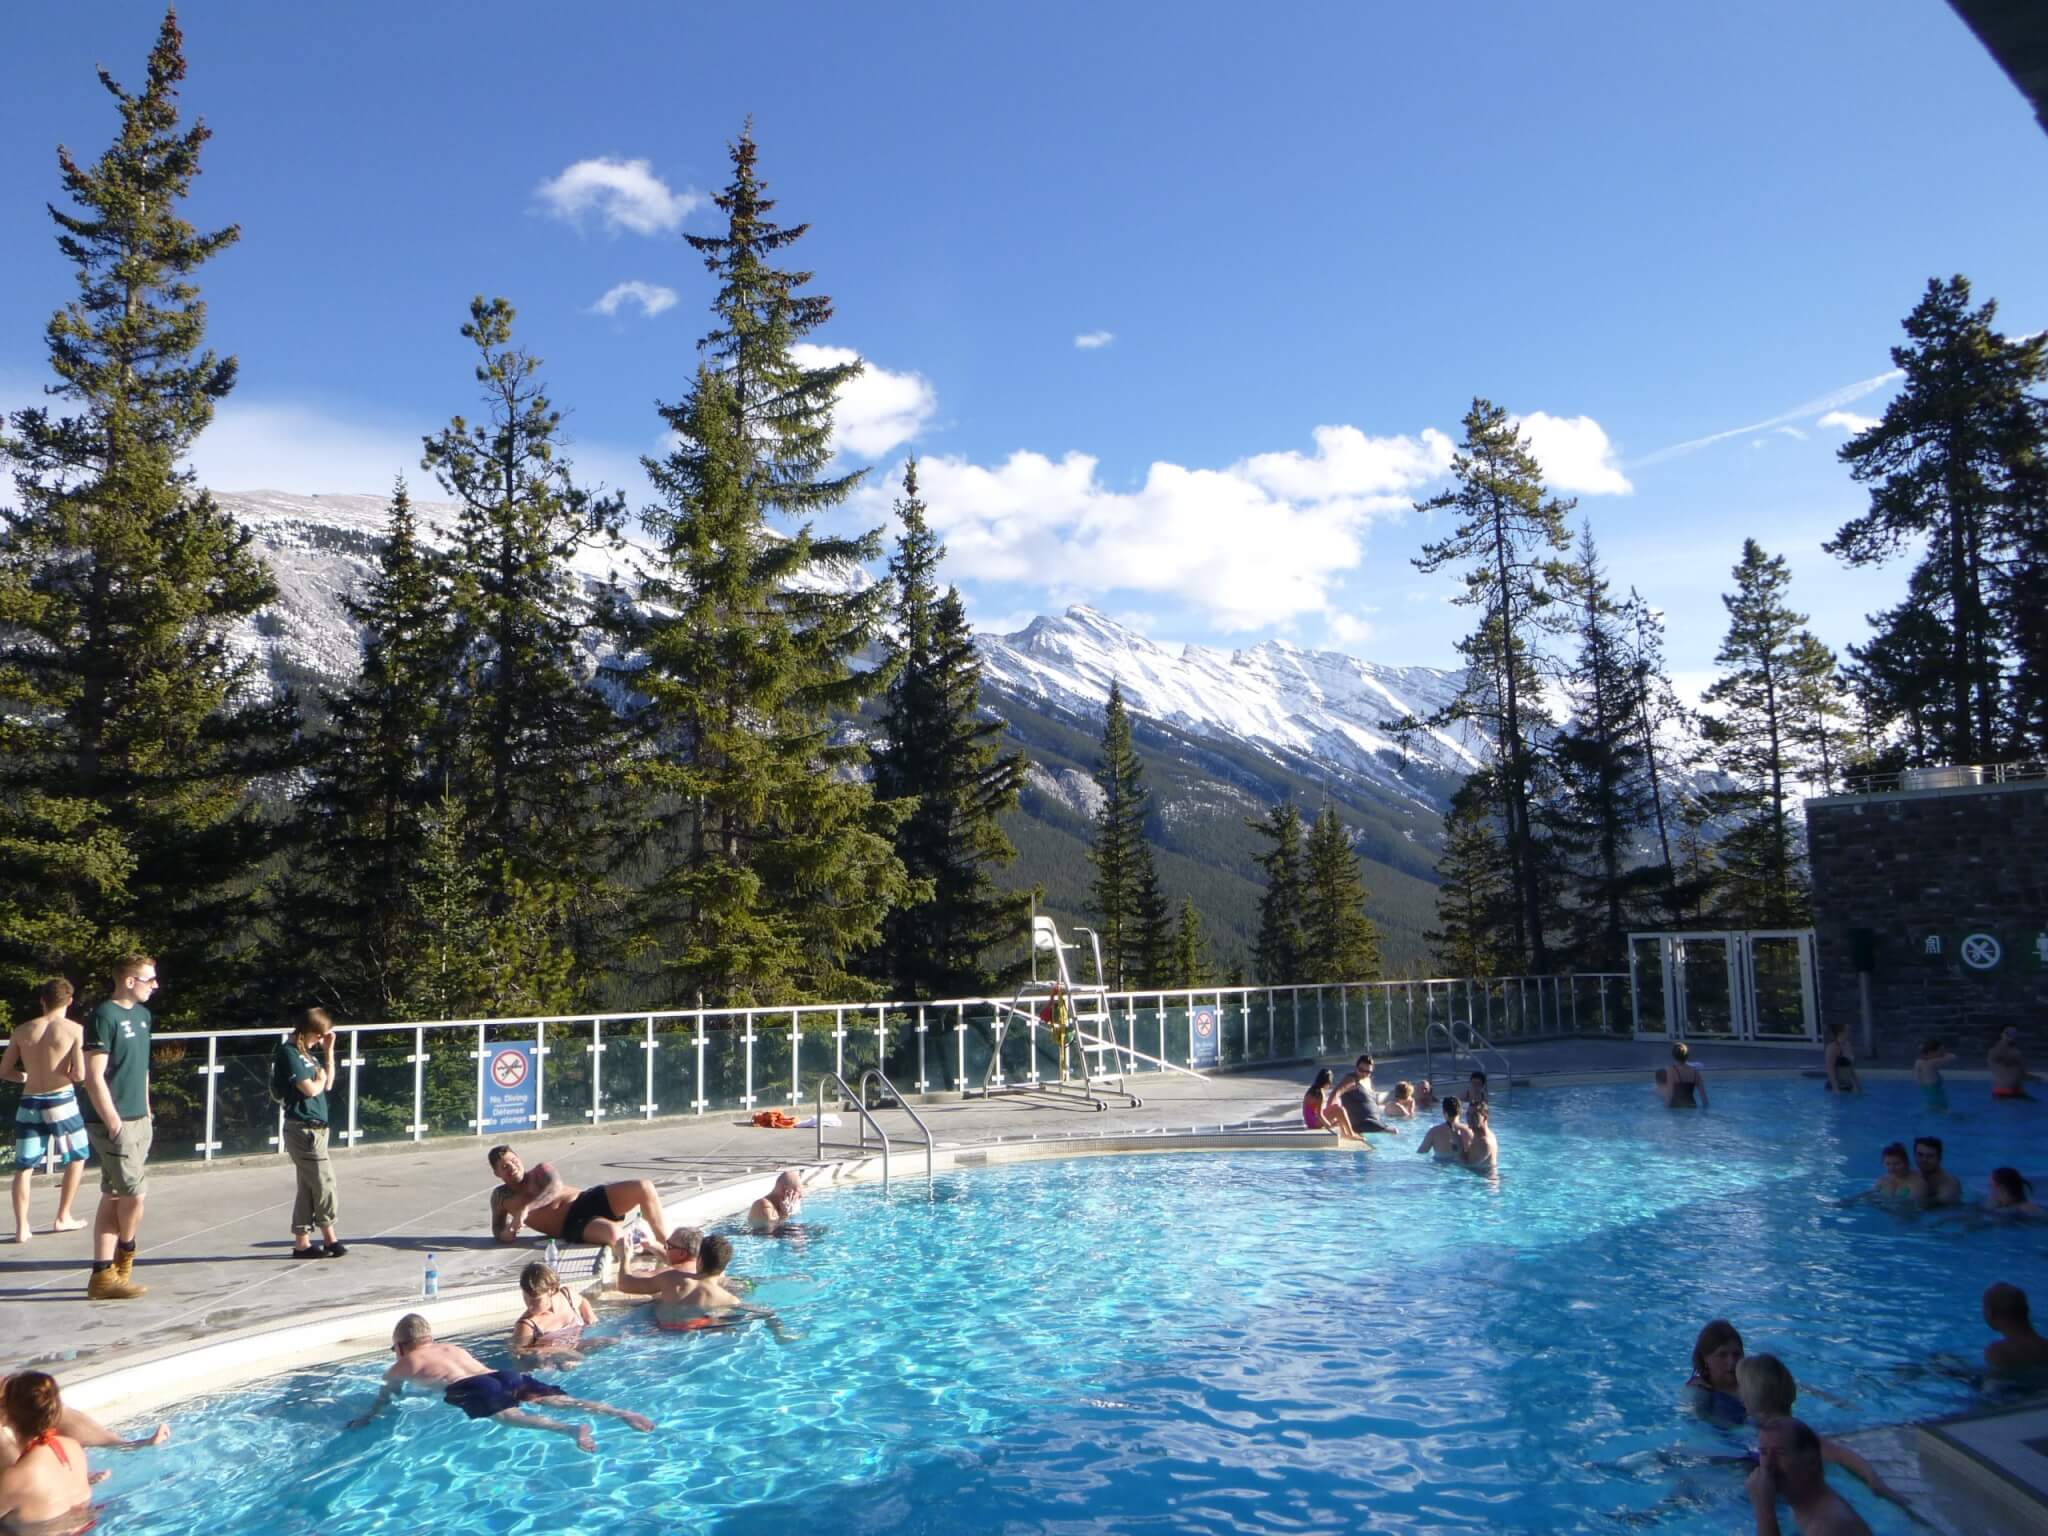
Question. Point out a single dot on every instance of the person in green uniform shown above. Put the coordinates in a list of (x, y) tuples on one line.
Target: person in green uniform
[(300, 1075), (118, 1125)]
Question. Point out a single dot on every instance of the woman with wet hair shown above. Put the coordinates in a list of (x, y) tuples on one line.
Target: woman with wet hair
[(2012, 1194), (1714, 1387), (46, 1490)]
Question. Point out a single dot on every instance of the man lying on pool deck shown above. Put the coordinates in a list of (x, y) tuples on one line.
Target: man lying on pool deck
[(481, 1393), (538, 1197)]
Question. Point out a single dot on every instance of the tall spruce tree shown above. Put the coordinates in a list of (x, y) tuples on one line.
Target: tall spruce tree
[(1120, 854), (1603, 788), (1948, 464), (775, 861), (1512, 531), (1756, 728), (1665, 728), (940, 757), (529, 747), (377, 774), (1191, 962), (1151, 927), (131, 729), (1339, 942), (1277, 952), (1475, 885)]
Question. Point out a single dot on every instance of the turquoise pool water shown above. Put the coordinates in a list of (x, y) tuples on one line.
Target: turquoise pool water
[(1216, 1342)]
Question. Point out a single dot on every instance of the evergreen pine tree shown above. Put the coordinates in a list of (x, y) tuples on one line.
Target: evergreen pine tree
[(1277, 952), (1512, 531), (531, 749), (375, 777), (1897, 679), (1757, 731), (1191, 965), (1821, 711), (1151, 927), (1339, 942), (1475, 887), (1659, 717), (776, 862), (1948, 465), (941, 758), (443, 972), (131, 731), (1119, 853)]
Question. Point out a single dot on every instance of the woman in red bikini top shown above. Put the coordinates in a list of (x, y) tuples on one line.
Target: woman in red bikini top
[(1316, 1101), (46, 1490)]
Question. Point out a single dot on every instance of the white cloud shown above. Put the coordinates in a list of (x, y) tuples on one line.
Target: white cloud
[(626, 193), (877, 410), (652, 298), (1848, 421), (1348, 629), (1257, 543), (1090, 341), (1575, 454)]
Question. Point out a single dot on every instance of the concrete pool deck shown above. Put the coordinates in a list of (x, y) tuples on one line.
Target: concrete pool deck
[(215, 1239)]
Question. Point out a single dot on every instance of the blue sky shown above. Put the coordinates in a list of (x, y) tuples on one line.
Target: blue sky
[(1308, 235)]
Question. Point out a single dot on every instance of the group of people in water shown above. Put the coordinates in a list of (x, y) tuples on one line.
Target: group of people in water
[(1351, 1109)]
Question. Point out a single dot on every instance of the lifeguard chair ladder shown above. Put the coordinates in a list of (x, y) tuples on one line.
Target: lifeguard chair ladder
[(1090, 1059)]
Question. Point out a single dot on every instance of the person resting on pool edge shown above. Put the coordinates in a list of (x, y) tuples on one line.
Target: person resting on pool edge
[(1768, 1392), (537, 1197), (480, 1392), (47, 1489), (82, 1427)]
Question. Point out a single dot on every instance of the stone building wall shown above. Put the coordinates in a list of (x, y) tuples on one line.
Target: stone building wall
[(1953, 885)]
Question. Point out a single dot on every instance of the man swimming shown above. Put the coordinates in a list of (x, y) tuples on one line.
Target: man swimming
[(2018, 1350), (480, 1392), (1941, 1186), (538, 1197), (2008, 1066), (1447, 1140)]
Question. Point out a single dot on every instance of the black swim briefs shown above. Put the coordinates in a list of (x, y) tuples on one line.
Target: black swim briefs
[(587, 1207)]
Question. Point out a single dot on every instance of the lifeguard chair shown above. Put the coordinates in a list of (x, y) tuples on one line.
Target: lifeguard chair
[(1072, 1016)]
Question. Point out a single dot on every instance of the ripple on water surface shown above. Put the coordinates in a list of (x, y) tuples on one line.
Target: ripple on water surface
[(1217, 1342)]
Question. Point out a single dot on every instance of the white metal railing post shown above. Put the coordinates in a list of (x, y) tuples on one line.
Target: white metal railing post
[(881, 1039), (1131, 1014), (1296, 991), (747, 1041), (1410, 990), (596, 1072), (796, 1035), (540, 1073), (1344, 1015), (1322, 1039), (703, 1099), (923, 1082), (211, 1071), (839, 1041), (648, 1047), (355, 1064), (960, 1035), (1603, 1005)]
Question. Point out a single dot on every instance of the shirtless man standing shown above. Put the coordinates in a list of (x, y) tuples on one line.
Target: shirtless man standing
[(2018, 1349), (2008, 1067), (467, 1383), (46, 1055), (1448, 1140), (1482, 1151), (538, 1197), (1942, 1187)]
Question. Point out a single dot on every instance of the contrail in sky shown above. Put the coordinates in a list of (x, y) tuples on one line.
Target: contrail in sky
[(1833, 400)]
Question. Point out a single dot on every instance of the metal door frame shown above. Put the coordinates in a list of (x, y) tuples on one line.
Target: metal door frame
[(1740, 947)]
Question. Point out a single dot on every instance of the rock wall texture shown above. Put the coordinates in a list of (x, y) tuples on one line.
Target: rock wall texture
[(1953, 888)]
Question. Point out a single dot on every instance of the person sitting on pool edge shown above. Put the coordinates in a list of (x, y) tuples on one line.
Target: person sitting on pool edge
[(467, 1383), (1447, 1140), (1789, 1467), (2008, 1066), (1316, 1101), (47, 1487), (779, 1205), (1356, 1101), (1942, 1187), (1768, 1393), (1713, 1386), (1678, 1084), (2018, 1350), (540, 1199), (2013, 1195), (1482, 1148), (553, 1314), (82, 1427)]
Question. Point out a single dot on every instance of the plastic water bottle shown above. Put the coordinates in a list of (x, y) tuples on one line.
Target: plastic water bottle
[(553, 1257), (430, 1282)]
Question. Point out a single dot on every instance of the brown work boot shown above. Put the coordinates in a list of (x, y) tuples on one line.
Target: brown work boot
[(124, 1264), (108, 1285)]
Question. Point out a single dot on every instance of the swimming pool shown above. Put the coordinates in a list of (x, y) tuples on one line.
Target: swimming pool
[(1215, 1342)]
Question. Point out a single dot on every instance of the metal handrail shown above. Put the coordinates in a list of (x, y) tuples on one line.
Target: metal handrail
[(1473, 1044), (1943, 776), (859, 1096)]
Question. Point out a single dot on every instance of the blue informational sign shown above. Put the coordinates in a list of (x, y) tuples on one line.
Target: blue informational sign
[(1204, 1042), (509, 1087)]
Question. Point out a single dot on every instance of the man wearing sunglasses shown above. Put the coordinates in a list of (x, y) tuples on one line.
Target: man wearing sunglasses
[(118, 1125)]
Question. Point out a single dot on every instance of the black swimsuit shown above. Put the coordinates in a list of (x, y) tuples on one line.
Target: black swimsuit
[(587, 1207), (1681, 1092)]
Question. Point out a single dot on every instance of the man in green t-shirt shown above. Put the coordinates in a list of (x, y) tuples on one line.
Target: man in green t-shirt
[(117, 1123)]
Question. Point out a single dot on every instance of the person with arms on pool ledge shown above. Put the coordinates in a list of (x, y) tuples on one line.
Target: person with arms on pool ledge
[(1840, 1062), (1713, 1386), (117, 1122), (1482, 1149), (46, 1055), (538, 1197), (1475, 1090), (47, 1489), (553, 1315), (2018, 1350), (478, 1391), (1941, 1186), (779, 1206), (1768, 1393), (2012, 1194), (1447, 1140), (1400, 1104), (1680, 1085), (2008, 1066), (82, 1427), (1789, 1467)]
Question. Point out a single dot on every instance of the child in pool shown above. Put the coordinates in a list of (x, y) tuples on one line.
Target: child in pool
[(1927, 1073), (553, 1316), (1768, 1392), (1402, 1105)]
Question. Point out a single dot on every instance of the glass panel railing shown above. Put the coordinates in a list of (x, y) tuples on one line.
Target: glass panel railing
[(177, 1099), (622, 1072), (244, 1114)]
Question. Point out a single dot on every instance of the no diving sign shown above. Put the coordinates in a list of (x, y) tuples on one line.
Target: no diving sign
[(1204, 1046), (509, 1084)]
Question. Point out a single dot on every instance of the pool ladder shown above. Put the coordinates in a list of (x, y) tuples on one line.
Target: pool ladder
[(1475, 1045), (858, 1097)]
